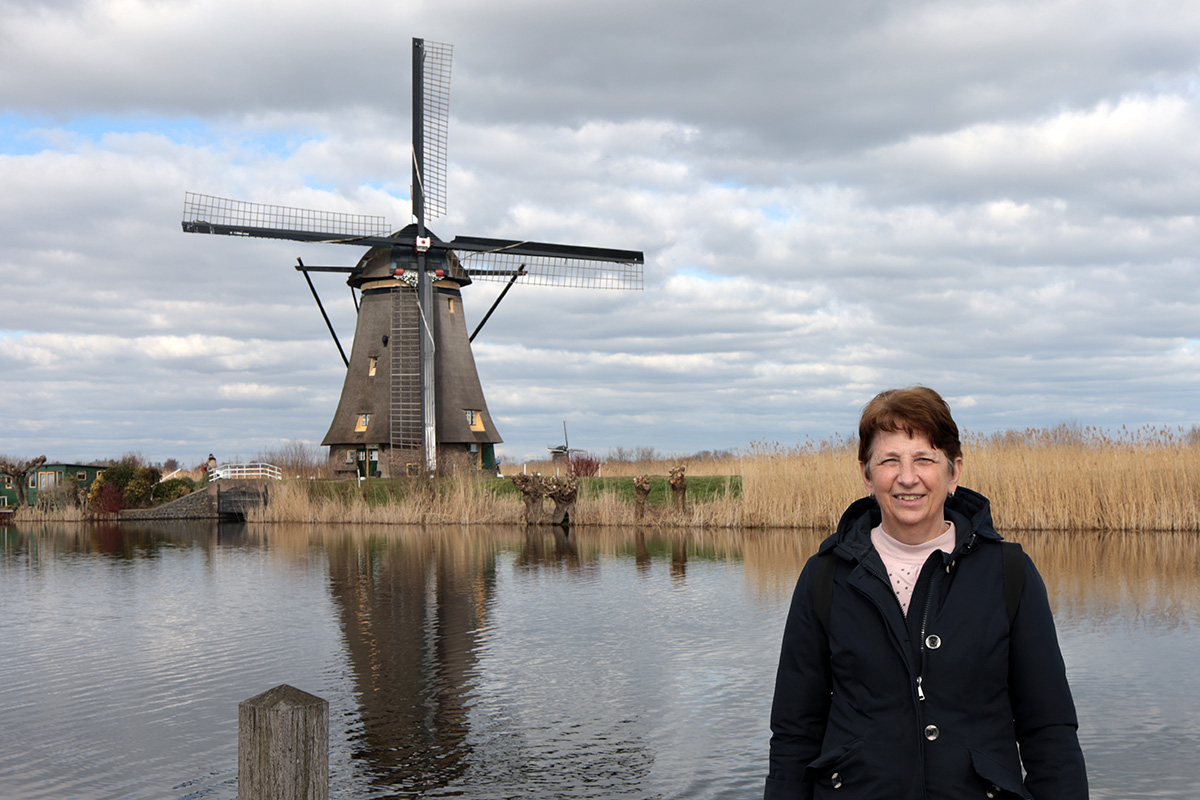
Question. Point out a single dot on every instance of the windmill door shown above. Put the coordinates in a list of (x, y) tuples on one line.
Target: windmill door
[(360, 462)]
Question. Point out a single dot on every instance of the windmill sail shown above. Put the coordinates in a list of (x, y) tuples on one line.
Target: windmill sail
[(565, 266), (433, 121), (204, 213)]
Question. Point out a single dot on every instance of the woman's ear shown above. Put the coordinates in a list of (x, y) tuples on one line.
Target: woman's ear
[(955, 474), (866, 477)]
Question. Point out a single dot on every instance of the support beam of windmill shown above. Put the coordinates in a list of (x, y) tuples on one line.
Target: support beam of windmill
[(411, 389)]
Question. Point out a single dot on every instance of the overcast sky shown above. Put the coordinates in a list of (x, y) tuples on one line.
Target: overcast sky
[(996, 199)]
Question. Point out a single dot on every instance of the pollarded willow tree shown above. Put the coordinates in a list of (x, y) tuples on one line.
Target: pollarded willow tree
[(18, 469)]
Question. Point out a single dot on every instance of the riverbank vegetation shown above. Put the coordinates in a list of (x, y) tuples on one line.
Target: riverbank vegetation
[(1061, 478)]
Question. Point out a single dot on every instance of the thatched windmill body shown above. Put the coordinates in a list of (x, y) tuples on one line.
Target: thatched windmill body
[(411, 388)]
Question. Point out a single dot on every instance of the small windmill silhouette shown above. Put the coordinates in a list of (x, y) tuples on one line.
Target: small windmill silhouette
[(411, 387)]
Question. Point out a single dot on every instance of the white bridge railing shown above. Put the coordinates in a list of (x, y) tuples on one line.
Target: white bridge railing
[(254, 470)]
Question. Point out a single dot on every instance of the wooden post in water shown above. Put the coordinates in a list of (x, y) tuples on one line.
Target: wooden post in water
[(283, 746)]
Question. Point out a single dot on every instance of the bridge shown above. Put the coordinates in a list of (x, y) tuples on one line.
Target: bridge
[(235, 489), (254, 470), (232, 491)]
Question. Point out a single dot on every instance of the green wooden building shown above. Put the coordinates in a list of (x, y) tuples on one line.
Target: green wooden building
[(45, 478)]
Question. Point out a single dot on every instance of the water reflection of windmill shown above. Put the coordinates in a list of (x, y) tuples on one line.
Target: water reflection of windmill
[(413, 611), (411, 388)]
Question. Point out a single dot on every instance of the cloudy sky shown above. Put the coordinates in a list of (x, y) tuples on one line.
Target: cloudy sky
[(996, 199)]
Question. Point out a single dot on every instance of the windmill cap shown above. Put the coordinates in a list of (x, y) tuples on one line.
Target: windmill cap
[(377, 263)]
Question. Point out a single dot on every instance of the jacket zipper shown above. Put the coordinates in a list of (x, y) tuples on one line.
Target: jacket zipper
[(933, 576), (919, 668)]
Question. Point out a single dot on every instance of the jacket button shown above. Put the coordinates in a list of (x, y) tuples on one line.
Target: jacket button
[(932, 732), (836, 780), (933, 641), (994, 791)]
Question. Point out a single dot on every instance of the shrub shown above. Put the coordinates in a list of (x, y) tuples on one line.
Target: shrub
[(584, 465), (99, 496), (63, 495), (173, 489), (133, 483), (106, 498), (297, 459), (121, 473), (137, 492)]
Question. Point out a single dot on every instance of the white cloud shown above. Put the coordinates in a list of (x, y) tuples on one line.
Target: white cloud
[(996, 199)]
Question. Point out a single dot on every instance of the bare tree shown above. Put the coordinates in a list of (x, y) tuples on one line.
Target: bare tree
[(17, 469)]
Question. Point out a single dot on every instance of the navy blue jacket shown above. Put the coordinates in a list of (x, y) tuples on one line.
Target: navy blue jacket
[(946, 704)]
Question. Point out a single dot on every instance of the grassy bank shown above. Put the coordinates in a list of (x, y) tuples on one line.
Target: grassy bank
[(478, 499)]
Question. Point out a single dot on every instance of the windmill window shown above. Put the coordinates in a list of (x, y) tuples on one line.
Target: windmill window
[(475, 419), (371, 368), (81, 475), (363, 420), (451, 305), (349, 456)]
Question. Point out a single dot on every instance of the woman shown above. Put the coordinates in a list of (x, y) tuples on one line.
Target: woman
[(918, 660)]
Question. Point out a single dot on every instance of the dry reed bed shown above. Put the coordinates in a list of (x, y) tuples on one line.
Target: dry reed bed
[(463, 501), (61, 514), (1057, 479)]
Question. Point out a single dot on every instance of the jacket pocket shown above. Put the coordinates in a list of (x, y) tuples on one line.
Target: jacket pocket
[(833, 769), (1001, 781)]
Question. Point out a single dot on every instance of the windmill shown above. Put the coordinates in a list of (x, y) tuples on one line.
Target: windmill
[(411, 387)]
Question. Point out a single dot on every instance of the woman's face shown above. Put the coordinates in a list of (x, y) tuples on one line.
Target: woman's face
[(910, 479)]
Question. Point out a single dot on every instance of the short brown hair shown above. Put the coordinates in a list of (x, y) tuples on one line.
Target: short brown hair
[(915, 410)]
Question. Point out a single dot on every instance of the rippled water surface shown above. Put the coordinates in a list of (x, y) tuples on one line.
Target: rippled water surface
[(486, 664)]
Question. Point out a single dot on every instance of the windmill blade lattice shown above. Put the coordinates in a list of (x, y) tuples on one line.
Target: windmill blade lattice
[(550, 270), (435, 91), (204, 213)]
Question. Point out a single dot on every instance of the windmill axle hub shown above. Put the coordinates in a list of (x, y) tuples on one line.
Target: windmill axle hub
[(409, 276)]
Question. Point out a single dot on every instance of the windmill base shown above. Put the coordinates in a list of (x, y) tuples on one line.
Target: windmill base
[(382, 461)]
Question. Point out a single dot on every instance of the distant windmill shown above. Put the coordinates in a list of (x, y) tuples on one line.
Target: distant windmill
[(564, 450), (411, 386)]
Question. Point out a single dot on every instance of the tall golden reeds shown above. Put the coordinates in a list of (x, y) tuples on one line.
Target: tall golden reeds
[(462, 499), (1069, 478)]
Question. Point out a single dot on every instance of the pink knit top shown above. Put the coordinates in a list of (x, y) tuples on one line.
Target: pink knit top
[(904, 561)]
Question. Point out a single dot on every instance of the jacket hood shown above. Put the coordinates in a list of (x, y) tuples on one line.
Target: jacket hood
[(970, 512)]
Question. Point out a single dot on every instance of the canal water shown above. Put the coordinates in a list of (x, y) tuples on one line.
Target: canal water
[(494, 663)]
